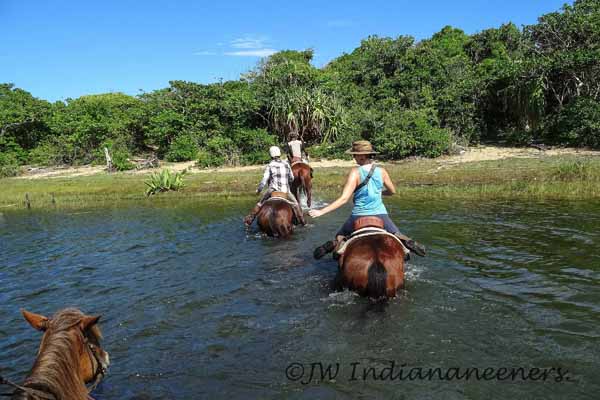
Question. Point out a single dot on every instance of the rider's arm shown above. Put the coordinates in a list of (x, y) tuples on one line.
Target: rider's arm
[(390, 189), (264, 180), (347, 193)]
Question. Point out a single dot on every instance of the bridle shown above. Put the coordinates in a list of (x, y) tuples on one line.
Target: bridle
[(99, 372)]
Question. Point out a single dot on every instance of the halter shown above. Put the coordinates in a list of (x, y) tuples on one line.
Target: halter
[(99, 372)]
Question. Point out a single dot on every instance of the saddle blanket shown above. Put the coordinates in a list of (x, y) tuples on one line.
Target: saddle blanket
[(300, 162), (274, 198), (369, 232)]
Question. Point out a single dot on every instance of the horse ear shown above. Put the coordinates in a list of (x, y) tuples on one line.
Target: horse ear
[(39, 322), (88, 321)]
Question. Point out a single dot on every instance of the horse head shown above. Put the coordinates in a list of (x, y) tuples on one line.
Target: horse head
[(69, 355)]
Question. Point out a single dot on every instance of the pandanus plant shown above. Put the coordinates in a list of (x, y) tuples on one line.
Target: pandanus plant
[(316, 115)]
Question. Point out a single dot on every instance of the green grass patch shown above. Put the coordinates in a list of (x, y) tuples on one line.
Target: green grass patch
[(552, 178)]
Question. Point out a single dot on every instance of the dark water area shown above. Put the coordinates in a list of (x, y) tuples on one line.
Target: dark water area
[(193, 306)]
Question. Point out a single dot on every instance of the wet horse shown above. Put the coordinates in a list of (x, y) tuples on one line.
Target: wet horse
[(302, 181), (69, 356), (276, 217), (372, 263)]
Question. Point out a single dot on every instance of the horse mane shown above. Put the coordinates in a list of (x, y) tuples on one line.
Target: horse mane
[(55, 369)]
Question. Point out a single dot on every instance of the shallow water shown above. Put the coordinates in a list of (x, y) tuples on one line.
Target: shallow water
[(195, 307)]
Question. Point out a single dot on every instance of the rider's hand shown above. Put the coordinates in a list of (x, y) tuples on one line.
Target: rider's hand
[(257, 191), (315, 213)]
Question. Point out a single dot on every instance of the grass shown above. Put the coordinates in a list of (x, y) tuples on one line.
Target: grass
[(552, 178)]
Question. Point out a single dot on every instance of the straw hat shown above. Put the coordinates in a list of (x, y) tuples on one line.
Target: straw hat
[(362, 147)]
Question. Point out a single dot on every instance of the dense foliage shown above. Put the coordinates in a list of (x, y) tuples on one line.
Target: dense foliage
[(409, 98)]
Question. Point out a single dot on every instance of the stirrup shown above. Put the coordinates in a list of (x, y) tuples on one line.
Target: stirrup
[(325, 248)]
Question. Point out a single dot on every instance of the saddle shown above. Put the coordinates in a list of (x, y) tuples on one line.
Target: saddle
[(368, 226), (278, 196), (283, 196), (300, 161)]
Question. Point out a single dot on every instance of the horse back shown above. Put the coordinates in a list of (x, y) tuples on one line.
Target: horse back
[(275, 218)]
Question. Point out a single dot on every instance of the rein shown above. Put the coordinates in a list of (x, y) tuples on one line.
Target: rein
[(33, 392)]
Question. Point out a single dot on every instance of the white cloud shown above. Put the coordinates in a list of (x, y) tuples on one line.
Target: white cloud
[(249, 42), (205, 53), (252, 53)]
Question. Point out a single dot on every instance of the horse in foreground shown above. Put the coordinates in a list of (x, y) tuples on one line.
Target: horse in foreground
[(302, 181), (68, 358), (371, 261), (276, 217)]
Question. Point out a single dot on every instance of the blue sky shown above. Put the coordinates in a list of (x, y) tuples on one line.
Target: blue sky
[(57, 49)]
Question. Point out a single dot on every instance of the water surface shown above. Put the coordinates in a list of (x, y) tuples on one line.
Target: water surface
[(195, 307)]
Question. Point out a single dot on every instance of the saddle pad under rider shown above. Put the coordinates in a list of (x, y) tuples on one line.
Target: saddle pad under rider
[(277, 198), (370, 231), (300, 162)]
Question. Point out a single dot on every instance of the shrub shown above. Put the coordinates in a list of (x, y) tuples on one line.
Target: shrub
[(165, 181), (207, 160), (48, 153), (578, 124), (9, 146), (218, 151), (412, 133), (9, 165), (253, 145), (337, 149), (119, 153), (183, 148), (517, 137), (120, 159)]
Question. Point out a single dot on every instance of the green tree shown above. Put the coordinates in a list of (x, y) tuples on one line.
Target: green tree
[(23, 121)]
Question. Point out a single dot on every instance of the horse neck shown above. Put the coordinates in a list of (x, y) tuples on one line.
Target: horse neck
[(56, 369)]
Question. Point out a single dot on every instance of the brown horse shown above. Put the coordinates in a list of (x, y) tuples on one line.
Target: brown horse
[(373, 266), (302, 181), (276, 218), (69, 357)]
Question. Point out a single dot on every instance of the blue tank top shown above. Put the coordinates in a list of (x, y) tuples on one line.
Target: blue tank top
[(367, 200)]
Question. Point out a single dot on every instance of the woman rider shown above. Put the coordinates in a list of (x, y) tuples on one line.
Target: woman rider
[(367, 199)]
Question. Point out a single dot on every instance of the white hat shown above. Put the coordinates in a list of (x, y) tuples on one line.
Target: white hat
[(274, 151)]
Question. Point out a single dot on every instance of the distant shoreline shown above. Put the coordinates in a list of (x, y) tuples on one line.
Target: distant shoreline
[(480, 173)]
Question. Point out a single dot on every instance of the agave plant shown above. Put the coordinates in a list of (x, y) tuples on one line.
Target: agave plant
[(164, 181)]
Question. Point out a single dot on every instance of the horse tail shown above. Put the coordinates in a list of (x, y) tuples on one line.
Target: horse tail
[(377, 283), (279, 225), (302, 184)]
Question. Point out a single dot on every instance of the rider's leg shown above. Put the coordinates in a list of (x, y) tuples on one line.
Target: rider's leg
[(248, 219), (299, 213), (340, 237), (412, 245)]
